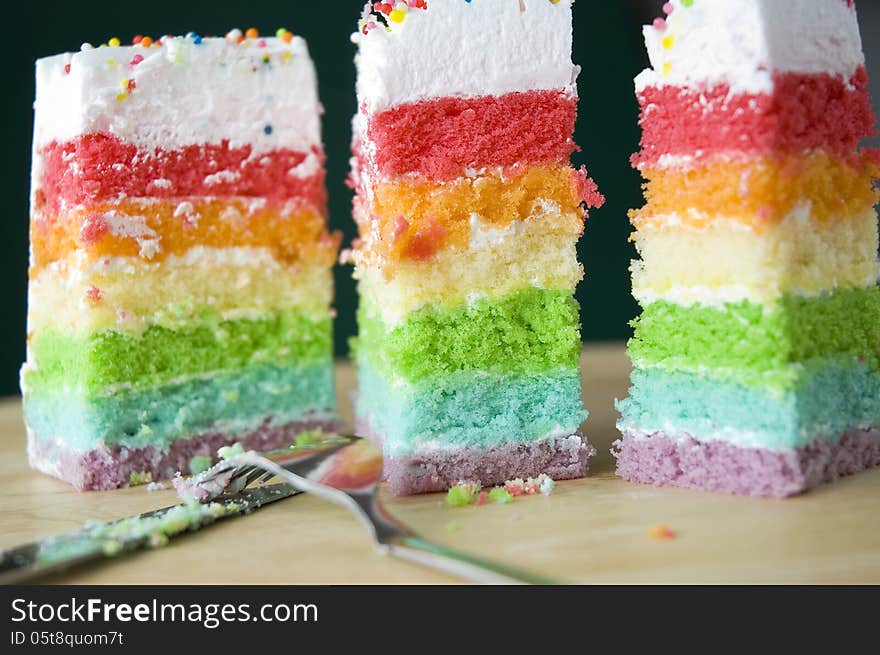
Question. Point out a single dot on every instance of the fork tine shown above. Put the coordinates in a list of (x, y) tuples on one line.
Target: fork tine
[(253, 475)]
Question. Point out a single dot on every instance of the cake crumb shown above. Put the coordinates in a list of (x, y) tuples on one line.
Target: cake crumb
[(157, 486), (542, 484), (199, 464), (309, 438), (228, 452), (138, 478), (661, 532), (462, 494), (500, 496), (453, 526)]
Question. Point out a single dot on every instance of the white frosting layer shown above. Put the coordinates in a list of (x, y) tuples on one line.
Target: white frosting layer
[(184, 93), (458, 48), (742, 43)]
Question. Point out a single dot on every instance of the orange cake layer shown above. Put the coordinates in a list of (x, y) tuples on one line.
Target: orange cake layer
[(154, 229), (416, 219), (762, 191)]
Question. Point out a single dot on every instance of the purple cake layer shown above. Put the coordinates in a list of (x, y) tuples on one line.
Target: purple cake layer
[(110, 468), (719, 466), (562, 459)]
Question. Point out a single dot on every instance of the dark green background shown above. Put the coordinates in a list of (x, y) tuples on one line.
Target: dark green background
[(607, 45)]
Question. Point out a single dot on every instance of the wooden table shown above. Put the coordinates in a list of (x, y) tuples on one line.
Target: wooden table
[(591, 531)]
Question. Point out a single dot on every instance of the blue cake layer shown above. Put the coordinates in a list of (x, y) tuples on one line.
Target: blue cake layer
[(231, 402), (468, 409), (825, 402)]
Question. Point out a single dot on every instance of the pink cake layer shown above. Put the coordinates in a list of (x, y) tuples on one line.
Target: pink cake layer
[(563, 458), (440, 139), (805, 112), (111, 468), (722, 467), (94, 168)]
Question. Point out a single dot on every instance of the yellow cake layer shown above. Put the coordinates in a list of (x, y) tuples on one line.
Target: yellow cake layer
[(726, 260), (532, 253), (78, 296), (415, 220), (759, 192)]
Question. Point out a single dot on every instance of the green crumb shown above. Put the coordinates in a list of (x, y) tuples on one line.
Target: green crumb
[(199, 464), (462, 494), (112, 547), (453, 526), (758, 344), (231, 396), (500, 495), (309, 438), (228, 452), (138, 478)]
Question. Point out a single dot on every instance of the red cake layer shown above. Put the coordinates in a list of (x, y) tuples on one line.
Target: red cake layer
[(439, 139), (97, 167), (805, 111)]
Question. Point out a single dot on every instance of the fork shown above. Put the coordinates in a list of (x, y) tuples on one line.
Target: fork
[(347, 471)]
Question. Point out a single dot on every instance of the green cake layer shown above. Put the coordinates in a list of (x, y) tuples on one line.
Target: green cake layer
[(758, 344), (229, 402), (107, 361), (527, 332)]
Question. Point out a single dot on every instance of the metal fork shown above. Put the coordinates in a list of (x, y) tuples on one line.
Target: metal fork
[(347, 471)]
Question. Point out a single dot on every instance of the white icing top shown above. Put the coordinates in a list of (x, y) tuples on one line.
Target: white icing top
[(460, 48), (183, 93), (741, 43)]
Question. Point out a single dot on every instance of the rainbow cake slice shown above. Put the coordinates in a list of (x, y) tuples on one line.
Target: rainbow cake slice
[(180, 277), (757, 353), (469, 213)]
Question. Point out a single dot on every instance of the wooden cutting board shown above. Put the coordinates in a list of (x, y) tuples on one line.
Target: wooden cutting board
[(590, 531)]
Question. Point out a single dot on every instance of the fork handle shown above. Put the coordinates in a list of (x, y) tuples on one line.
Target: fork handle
[(462, 565)]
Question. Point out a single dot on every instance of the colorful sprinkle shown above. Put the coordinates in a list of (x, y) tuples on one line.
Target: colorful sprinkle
[(114, 42), (252, 33), (146, 42)]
